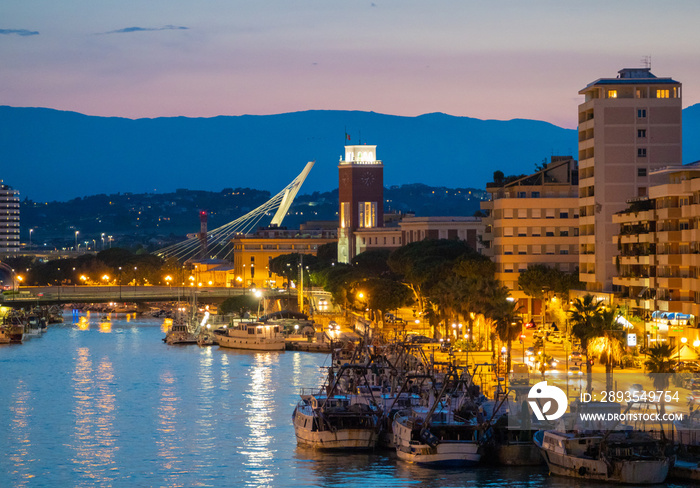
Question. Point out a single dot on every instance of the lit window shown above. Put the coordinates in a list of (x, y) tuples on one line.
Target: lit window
[(662, 94), (367, 214), (612, 93), (344, 215)]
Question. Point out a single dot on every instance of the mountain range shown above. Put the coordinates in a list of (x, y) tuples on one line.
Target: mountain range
[(55, 155)]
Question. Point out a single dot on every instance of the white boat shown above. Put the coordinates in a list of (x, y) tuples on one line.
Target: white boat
[(251, 335), (179, 333), (334, 422), (437, 440), (627, 457)]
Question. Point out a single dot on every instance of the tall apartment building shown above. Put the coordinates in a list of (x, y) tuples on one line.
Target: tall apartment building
[(658, 259), (628, 126), (361, 197), (533, 220), (9, 219)]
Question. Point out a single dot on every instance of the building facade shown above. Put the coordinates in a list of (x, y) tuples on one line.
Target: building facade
[(361, 197), (658, 258), (252, 253), (627, 126), (533, 220), (9, 219)]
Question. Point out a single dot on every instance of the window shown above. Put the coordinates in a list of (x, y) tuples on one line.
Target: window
[(522, 231), (536, 232), (522, 267), (549, 249), (564, 233), (508, 249), (641, 113), (367, 214), (641, 171), (393, 240), (508, 268), (549, 213), (563, 251), (612, 93), (575, 231), (344, 215), (641, 152), (522, 213), (522, 249), (522, 194), (507, 213), (662, 94), (641, 133), (535, 194), (563, 215), (536, 213), (536, 249), (385, 240), (549, 232), (507, 232)]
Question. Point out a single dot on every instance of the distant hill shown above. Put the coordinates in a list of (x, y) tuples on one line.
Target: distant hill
[(53, 155)]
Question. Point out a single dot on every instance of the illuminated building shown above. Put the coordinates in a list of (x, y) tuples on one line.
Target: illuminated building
[(9, 219), (628, 126), (361, 197), (533, 220)]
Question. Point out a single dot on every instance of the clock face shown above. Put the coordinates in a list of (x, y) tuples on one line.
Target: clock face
[(367, 178)]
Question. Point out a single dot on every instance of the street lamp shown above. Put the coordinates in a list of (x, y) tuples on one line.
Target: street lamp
[(76, 238), (120, 283), (105, 278), (135, 268), (168, 279), (103, 241), (30, 238)]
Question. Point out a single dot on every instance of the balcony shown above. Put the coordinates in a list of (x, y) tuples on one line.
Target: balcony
[(670, 305), (632, 281), (672, 283), (669, 259)]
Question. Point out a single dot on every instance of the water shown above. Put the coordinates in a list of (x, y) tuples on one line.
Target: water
[(91, 404)]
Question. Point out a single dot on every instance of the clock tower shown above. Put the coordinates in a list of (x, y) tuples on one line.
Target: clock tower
[(361, 195)]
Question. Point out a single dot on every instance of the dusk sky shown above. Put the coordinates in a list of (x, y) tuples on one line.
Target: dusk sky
[(490, 60)]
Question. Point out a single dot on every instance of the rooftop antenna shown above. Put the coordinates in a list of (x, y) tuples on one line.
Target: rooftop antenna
[(646, 61)]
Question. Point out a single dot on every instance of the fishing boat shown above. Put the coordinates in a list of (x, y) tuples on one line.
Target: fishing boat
[(14, 327), (179, 334), (334, 422), (35, 324), (436, 438), (251, 335), (629, 457)]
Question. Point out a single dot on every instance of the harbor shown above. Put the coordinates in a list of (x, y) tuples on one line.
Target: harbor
[(129, 408)]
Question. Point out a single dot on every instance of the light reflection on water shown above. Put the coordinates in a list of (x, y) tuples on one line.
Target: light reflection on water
[(85, 408)]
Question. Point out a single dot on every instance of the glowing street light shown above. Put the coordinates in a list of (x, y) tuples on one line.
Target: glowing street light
[(76, 238)]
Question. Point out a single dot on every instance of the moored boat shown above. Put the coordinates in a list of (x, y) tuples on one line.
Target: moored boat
[(334, 422), (628, 457), (251, 335), (436, 439), (179, 333)]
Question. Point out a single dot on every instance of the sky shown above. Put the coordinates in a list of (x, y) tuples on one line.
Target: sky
[(489, 60)]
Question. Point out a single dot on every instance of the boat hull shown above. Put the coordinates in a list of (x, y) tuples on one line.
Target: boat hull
[(340, 439), (260, 344), (179, 338), (447, 454), (687, 471)]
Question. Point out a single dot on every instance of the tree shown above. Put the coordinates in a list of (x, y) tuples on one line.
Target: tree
[(239, 304), (384, 295), (423, 264), (582, 314), (508, 322), (605, 342), (539, 278), (659, 365)]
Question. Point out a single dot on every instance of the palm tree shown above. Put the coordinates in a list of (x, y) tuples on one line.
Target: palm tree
[(509, 323), (605, 342), (584, 312), (659, 365)]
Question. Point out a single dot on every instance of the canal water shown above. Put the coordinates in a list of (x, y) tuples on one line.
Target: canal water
[(97, 403)]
